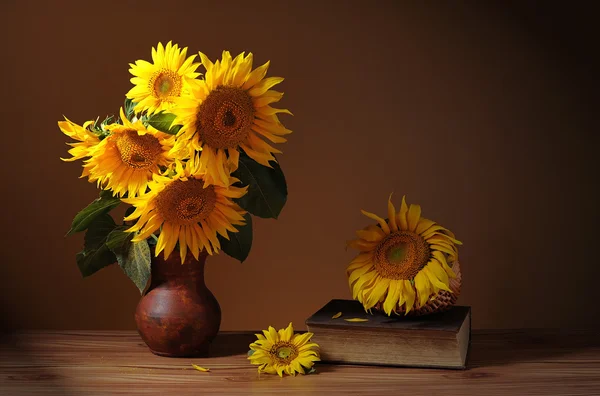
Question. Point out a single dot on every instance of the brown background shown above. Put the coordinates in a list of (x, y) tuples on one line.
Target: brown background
[(481, 115)]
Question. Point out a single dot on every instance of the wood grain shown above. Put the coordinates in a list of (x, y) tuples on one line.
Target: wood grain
[(104, 363)]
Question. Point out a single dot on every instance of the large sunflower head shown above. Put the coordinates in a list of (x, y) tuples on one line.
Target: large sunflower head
[(125, 161), (187, 212), (231, 110), (278, 352), (404, 261), (85, 138), (158, 84)]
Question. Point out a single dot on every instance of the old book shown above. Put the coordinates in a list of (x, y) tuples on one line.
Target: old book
[(438, 340)]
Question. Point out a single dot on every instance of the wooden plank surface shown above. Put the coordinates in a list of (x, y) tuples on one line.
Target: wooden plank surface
[(532, 362)]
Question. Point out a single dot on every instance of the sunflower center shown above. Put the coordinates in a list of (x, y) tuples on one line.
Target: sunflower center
[(284, 352), (138, 151), (186, 202), (225, 117), (165, 83), (401, 255)]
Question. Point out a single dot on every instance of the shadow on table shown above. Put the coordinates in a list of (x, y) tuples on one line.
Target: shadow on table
[(231, 343), (498, 347), (21, 373)]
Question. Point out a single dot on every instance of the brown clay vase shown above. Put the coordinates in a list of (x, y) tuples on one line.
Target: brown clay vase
[(178, 316)]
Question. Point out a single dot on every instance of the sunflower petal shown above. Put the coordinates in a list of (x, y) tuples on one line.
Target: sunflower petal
[(435, 282), (391, 300), (423, 225), (409, 296), (423, 287), (392, 215), (202, 369), (382, 222), (401, 217), (414, 214)]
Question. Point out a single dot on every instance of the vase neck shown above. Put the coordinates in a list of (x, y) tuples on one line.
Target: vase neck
[(172, 268)]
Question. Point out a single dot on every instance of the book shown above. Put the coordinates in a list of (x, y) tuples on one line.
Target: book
[(439, 340)]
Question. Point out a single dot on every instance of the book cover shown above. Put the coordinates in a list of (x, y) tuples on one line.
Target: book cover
[(437, 340)]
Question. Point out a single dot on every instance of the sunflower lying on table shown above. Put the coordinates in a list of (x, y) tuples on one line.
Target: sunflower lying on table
[(279, 352)]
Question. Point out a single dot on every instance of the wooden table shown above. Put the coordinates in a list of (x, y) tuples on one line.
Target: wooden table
[(516, 362)]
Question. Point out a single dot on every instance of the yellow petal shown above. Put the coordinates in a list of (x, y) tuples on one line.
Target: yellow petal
[(432, 230), (440, 240), (392, 215), (371, 235), (356, 320), (363, 282), (382, 222), (401, 217), (301, 340), (436, 268), (204, 370), (423, 225), (359, 262), (337, 315), (288, 333), (423, 287), (256, 75), (443, 248), (400, 291), (377, 293), (391, 301), (442, 236), (409, 295), (182, 243), (435, 282), (439, 256), (358, 272), (414, 214), (264, 86)]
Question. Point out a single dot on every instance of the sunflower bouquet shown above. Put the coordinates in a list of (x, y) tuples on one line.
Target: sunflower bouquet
[(190, 153)]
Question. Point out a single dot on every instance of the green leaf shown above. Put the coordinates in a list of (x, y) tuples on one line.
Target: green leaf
[(98, 230), (163, 122), (118, 239), (250, 352), (96, 254), (98, 207), (128, 109), (133, 257), (267, 189), (239, 243)]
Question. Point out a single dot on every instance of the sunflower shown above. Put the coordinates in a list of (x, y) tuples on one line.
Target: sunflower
[(158, 84), (186, 211), (126, 160), (404, 261), (229, 111), (87, 140), (283, 351)]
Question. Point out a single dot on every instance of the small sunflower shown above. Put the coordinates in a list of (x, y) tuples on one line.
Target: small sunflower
[(158, 84), (278, 352), (125, 161), (87, 140), (186, 211), (404, 261), (230, 111)]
